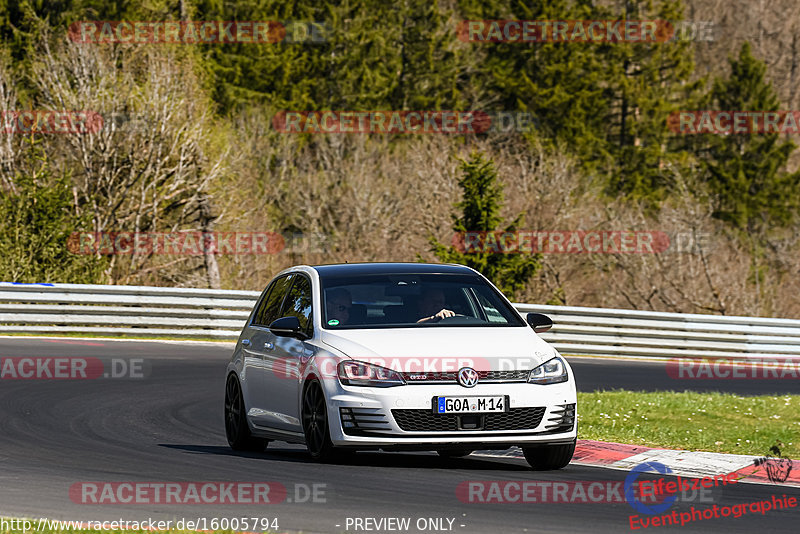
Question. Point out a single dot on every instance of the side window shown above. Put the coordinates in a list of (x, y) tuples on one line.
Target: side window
[(270, 309), (298, 303), (262, 304)]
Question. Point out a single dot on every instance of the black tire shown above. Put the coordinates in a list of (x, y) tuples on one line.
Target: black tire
[(315, 424), (454, 453), (549, 457), (236, 429)]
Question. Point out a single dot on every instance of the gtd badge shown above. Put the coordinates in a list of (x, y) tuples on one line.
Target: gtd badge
[(467, 377)]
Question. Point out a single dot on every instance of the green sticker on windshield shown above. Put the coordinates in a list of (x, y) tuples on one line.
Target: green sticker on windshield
[(333, 322)]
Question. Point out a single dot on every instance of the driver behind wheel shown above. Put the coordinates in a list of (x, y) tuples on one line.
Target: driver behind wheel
[(432, 306)]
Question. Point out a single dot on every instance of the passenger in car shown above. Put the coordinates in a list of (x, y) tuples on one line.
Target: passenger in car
[(432, 306), (338, 302)]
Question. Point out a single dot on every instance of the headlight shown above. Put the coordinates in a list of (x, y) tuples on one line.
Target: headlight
[(552, 371), (354, 373)]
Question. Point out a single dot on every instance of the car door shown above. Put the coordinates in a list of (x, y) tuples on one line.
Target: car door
[(253, 361), (260, 345), (287, 355)]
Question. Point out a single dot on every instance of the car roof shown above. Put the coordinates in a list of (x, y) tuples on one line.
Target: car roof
[(356, 269)]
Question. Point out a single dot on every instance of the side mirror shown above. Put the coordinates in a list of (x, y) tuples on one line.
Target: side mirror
[(539, 322), (287, 327)]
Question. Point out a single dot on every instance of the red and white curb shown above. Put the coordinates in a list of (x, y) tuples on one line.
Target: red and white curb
[(688, 464)]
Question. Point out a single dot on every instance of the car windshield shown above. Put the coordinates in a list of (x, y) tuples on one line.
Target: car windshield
[(413, 300)]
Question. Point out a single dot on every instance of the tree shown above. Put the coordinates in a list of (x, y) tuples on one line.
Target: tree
[(745, 172), (366, 55), (561, 83), (37, 219), (607, 101), (480, 212), (647, 81), (152, 174)]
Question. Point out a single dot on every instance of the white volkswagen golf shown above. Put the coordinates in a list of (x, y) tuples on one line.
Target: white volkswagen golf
[(397, 356)]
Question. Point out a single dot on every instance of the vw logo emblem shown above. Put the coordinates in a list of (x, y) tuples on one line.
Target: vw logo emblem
[(467, 377)]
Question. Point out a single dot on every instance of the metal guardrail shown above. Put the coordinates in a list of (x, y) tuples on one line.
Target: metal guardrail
[(130, 310), (614, 332), (220, 314)]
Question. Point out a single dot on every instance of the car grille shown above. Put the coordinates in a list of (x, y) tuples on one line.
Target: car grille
[(427, 421), (451, 377)]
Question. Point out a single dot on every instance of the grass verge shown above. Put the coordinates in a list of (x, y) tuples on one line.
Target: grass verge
[(716, 422)]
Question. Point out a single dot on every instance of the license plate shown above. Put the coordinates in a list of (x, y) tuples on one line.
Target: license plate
[(457, 404)]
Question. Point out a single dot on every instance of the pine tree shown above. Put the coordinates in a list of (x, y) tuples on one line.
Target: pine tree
[(606, 102), (648, 81), (429, 59), (560, 83), (480, 212), (745, 172), (364, 55)]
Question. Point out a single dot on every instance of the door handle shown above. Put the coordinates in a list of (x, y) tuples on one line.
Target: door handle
[(246, 342), (268, 345)]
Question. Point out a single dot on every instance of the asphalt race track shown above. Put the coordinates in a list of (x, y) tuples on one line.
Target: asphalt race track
[(594, 374), (165, 425)]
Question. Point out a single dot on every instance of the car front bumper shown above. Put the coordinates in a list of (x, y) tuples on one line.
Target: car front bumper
[(402, 417)]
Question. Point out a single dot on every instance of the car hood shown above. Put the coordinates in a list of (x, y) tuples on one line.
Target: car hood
[(443, 348)]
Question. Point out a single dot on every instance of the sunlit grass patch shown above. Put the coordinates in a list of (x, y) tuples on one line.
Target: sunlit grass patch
[(717, 422)]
